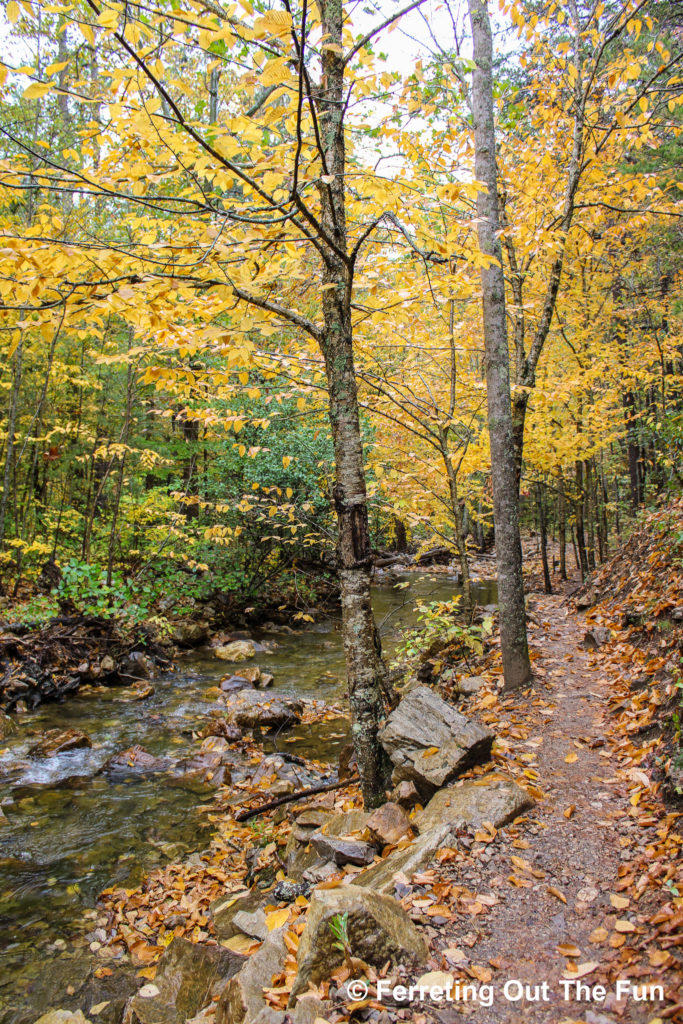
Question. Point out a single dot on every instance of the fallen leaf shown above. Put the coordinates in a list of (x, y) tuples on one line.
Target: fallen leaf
[(568, 949), (277, 918), (619, 902), (570, 758), (581, 970), (598, 935), (557, 894), (570, 811)]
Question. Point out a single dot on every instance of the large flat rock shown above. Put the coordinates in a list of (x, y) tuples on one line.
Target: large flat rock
[(378, 928), (490, 798), (430, 743)]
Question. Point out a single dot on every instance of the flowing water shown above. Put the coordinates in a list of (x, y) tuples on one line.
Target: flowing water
[(71, 832)]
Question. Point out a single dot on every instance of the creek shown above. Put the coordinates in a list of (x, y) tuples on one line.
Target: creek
[(72, 831)]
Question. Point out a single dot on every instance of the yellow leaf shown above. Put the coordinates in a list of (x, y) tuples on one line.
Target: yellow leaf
[(277, 918), (581, 970), (286, 459), (36, 90), (624, 926), (557, 894), (87, 33), (12, 11), (619, 902), (570, 758), (241, 944)]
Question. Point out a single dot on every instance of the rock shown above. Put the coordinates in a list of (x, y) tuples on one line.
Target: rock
[(264, 680), (204, 770), (595, 638), (378, 927), (586, 600), (138, 691), (470, 684), (431, 743), (218, 726), (301, 856), (56, 741), (343, 851), (63, 1017), (489, 798), (224, 910), (380, 877), (7, 726), (243, 999), (107, 665), (238, 650), (135, 759), (230, 684), (286, 891), (405, 795), (188, 977), (188, 633), (251, 923), (138, 664), (251, 710), (388, 824)]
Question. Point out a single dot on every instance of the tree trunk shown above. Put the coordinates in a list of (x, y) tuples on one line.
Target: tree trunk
[(513, 638), (562, 526), (540, 498), (365, 669), (580, 534)]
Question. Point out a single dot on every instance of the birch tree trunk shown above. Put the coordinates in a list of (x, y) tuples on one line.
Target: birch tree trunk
[(513, 638)]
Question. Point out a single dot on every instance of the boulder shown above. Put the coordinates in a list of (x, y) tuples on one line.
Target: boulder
[(56, 741), (238, 650), (430, 743), (388, 824), (251, 923), (252, 710), (218, 726), (490, 798), (380, 877), (585, 600), (470, 685), (135, 759), (188, 977), (7, 726), (378, 927), (242, 999)]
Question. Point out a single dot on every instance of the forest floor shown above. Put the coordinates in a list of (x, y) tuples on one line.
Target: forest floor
[(564, 900)]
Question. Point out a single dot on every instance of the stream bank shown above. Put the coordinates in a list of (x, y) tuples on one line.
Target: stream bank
[(71, 832)]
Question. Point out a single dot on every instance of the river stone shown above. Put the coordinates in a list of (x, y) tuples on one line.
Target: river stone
[(63, 1017), (596, 637), (378, 927), (490, 798), (242, 998), (405, 795), (138, 664), (188, 977), (388, 824), (56, 741), (231, 683), (301, 856), (430, 743), (252, 924), (250, 709), (135, 759), (203, 771), (7, 726), (238, 650), (380, 877)]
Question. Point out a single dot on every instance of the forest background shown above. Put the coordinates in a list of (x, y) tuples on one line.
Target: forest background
[(223, 223)]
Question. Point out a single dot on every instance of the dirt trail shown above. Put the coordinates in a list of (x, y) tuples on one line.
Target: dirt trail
[(577, 853)]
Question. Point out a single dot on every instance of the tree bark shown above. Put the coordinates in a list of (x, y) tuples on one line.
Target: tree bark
[(562, 526), (540, 498), (514, 647), (362, 648)]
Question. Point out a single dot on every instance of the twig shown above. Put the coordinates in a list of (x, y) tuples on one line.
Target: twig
[(324, 788)]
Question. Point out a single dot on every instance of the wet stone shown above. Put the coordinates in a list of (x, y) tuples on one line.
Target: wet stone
[(57, 741)]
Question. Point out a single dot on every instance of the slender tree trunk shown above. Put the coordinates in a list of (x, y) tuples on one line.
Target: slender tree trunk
[(562, 526), (540, 498), (365, 669), (11, 433), (579, 505), (514, 647), (460, 541), (590, 512)]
